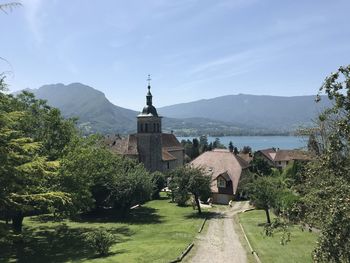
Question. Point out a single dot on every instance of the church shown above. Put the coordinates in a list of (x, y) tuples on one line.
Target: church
[(156, 150)]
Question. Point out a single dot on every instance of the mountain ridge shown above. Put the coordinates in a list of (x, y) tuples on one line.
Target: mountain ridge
[(219, 116)]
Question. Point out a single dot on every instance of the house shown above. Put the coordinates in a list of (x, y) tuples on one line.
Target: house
[(156, 150), (281, 158), (225, 169)]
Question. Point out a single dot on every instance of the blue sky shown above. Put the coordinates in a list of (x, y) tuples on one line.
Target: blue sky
[(193, 49)]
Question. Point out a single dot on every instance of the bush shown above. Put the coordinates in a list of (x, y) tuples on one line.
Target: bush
[(100, 240)]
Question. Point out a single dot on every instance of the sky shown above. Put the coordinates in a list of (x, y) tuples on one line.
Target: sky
[(193, 49)]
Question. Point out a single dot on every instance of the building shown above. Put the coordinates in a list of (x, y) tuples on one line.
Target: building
[(156, 150), (281, 158), (225, 169)]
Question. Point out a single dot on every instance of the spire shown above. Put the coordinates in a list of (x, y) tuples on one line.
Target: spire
[(149, 94)]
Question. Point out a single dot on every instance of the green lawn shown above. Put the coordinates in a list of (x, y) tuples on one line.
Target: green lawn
[(269, 249), (157, 232)]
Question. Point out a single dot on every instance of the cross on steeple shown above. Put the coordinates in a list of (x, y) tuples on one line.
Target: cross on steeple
[(149, 80)]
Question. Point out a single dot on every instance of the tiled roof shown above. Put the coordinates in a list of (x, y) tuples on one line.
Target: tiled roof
[(166, 156), (285, 155), (220, 162), (128, 145)]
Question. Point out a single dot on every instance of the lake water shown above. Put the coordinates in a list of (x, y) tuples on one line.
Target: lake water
[(260, 142)]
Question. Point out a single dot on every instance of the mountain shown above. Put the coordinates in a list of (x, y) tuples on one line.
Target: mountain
[(270, 113), (94, 111), (226, 115)]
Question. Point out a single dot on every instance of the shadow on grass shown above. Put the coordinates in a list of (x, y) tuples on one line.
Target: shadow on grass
[(141, 215), (54, 244), (205, 214)]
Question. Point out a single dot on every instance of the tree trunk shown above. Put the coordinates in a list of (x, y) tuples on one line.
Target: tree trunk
[(198, 204), (17, 221), (267, 216)]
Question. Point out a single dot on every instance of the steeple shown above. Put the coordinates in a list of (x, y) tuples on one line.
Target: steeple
[(149, 109), (149, 94)]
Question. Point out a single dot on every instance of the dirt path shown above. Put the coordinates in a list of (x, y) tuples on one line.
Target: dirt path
[(220, 243)]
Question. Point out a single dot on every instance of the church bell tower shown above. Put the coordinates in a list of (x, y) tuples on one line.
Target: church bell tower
[(149, 135)]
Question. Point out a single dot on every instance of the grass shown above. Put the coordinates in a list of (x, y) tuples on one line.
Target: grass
[(157, 232), (269, 249)]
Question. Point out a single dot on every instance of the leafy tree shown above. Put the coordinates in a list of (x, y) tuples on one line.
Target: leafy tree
[(325, 188), (203, 143), (27, 179), (159, 182), (246, 150), (195, 148), (185, 180), (260, 166), (217, 144), (262, 193), (98, 178), (230, 146)]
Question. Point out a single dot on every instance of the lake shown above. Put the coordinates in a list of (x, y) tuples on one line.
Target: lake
[(260, 142)]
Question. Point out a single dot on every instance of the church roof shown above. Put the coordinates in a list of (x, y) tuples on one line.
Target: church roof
[(128, 145)]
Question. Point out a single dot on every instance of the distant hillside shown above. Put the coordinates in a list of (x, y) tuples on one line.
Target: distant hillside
[(265, 112), (227, 115), (95, 112)]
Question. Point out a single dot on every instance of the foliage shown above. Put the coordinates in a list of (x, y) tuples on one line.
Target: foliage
[(260, 166), (98, 178), (100, 240), (28, 170), (185, 180), (262, 194), (246, 150), (325, 183), (159, 182)]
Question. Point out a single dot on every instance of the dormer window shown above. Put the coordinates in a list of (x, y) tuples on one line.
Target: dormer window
[(221, 182)]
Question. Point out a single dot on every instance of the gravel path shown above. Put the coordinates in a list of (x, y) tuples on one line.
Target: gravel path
[(220, 243)]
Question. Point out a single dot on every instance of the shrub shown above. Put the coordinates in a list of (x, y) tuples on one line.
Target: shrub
[(100, 240)]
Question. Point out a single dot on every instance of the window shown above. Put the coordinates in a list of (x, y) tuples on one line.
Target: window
[(141, 127), (221, 182), (168, 165), (146, 127), (154, 127), (158, 127)]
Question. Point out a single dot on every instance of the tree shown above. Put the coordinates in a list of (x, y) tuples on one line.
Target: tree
[(217, 144), (185, 180), (195, 148), (246, 150), (325, 188), (27, 178), (98, 178), (230, 146), (203, 143), (260, 166), (262, 194), (159, 182)]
